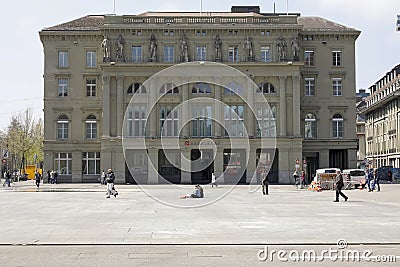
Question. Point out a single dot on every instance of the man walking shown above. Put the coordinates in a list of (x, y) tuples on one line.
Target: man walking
[(339, 186), (264, 182), (37, 178)]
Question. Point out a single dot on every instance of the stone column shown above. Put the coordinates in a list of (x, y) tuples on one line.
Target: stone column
[(186, 175), (120, 104), (251, 165), (324, 158), (153, 166), (296, 106), (186, 112), (106, 106), (250, 109), (219, 165), (218, 111), (76, 167), (153, 93), (282, 106)]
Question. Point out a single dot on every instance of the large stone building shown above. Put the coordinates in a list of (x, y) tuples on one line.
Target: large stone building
[(304, 67), (382, 120)]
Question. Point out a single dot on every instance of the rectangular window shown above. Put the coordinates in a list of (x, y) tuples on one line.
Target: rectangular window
[(63, 163), (233, 54), (62, 87), (265, 54), (63, 59), (91, 129), (201, 122), (234, 120), (90, 59), (337, 127), (136, 121), (266, 121), (91, 163), (137, 53), (309, 58), (169, 120), (62, 130), (337, 58), (91, 87), (309, 86), (337, 86), (201, 53), (169, 53)]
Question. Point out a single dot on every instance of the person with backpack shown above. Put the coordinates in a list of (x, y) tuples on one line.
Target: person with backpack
[(339, 186), (264, 182)]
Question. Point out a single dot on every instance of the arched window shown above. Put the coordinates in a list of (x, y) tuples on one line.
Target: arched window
[(201, 88), (91, 127), (233, 88), (169, 88), (136, 88), (337, 126), (266, 88), (310, 126), (62, 127)]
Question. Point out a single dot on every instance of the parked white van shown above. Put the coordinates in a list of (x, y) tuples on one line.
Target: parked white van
[(355, 175)]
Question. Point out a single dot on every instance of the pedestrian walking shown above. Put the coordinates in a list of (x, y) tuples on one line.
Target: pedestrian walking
[(110, 184), (264, 182), (370, 179), (213, 180), (303, 179), (48, 176), (339, 186), (377, 178), (103, 177), (37, 178), (7, 177), (296, 178)]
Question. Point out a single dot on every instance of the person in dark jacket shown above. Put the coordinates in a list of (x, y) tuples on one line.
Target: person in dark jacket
[(264, 182), (37, 178), (339, 186), (377, 178)]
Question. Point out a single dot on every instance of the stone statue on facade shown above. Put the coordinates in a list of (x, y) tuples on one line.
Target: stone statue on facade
[(248, 46), (295, 48), (120, 49), (184, 49), (105, 44), (218, 48), (153, 48), (281, 45)]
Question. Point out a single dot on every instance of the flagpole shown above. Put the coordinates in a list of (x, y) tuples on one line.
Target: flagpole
[(114, 7)]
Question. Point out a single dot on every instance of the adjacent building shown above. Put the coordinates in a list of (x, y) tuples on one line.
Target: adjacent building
[(382, 121), (94, 65)]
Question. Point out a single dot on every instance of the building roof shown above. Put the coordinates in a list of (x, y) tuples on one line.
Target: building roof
[(87, 23), (322, 24), (94, 22)]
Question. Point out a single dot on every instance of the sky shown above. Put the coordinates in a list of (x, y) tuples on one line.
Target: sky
[(377, 48)]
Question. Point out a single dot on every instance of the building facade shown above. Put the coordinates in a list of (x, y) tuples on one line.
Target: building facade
[(304, 67), (382, 121)]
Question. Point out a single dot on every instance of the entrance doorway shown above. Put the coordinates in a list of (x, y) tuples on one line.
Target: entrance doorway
[(268, 159), (202, 166), (169, 162), (338, 158), (234, 166)]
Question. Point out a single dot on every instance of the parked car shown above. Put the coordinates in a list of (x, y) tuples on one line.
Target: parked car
[(357, 176)]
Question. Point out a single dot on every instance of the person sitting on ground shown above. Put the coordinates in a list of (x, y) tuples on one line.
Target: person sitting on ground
[(197, 193)]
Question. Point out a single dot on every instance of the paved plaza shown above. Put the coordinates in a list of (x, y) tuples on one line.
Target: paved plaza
[(78, 226)]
